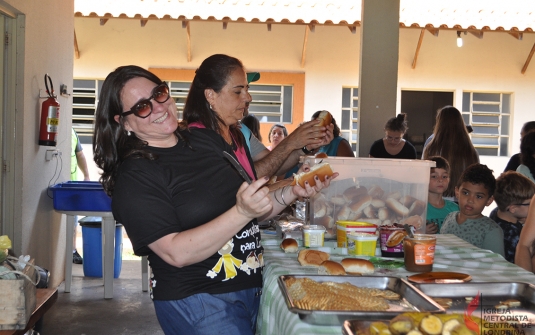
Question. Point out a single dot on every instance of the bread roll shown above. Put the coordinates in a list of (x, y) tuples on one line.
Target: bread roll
[(417, 207), (325, 221), (338, 200), (320, 209), (370, 212), (378, 203), (406, 200), (394, 194), (376, 222), (397, 207), (330, 208), (343, 213), (321, 155), (360, 203), (331, 268), (309, 257), (325, 118), (354, 216), (321, 170), (357, 265), (352, 192), (289, 245), (383, 213), (376, 192), (415, 220)]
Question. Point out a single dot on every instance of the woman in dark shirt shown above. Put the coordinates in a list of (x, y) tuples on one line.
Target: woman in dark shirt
[(181, 202), (393, 145)]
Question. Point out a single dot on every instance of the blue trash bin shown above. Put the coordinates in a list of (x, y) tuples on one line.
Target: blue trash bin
[(92, 247)]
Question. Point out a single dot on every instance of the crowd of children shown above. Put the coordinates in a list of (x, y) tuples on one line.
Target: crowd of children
[(503, 231)]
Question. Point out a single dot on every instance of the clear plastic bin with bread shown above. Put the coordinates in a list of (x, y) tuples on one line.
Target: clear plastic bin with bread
[(374, 190)]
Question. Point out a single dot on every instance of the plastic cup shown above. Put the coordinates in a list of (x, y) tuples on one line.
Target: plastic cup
[(419, 252), (346, 227), (313, 235), (361, 244)]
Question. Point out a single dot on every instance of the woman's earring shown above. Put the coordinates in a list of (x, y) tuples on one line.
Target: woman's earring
[(128, 133), (210, 107)]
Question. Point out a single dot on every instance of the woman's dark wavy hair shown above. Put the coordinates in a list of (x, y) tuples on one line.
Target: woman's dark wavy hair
[(111, 143), (336, 129), (527, 151), (451, 141), (398, 123), (214, 74)]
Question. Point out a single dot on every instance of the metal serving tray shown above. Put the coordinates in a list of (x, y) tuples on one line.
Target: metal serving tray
[(412, 299), (492, 294)]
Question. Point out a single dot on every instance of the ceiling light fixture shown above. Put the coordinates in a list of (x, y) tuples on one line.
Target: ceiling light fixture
[(459, 39)]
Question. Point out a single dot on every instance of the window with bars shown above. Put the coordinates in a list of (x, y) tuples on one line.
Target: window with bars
[(350, 115), (489, 114), (271, 103)]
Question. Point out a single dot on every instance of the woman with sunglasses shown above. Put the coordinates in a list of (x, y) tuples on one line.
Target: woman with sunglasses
[(181, 202)]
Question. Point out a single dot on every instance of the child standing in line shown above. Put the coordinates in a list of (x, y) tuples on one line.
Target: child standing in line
[(437, 207), (475, 191), (513, 197)]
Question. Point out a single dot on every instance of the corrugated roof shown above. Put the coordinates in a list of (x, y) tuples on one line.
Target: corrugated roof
[(510, 15)]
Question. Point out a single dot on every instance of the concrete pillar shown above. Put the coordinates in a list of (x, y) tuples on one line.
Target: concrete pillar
[(379, 53)]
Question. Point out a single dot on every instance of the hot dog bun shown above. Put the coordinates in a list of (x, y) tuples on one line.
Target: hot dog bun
[(325, 119), (321, 170), (357, 265), (310, 257), (331, 268)]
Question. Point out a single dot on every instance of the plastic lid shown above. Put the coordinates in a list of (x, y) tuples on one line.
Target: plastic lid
[(362, 236), (317, 228), (354, 223)]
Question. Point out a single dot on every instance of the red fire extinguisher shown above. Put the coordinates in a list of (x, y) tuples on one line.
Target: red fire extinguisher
[(49, 117)]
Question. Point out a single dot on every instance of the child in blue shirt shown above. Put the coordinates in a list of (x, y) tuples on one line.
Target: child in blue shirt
[(438, 207)]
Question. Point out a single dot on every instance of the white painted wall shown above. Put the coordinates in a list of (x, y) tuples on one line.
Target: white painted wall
[(492, 63), (48, 48)]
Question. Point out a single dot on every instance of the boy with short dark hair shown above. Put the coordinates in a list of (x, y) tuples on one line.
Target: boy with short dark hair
[(475, 191), (513, 197), (437, 207)]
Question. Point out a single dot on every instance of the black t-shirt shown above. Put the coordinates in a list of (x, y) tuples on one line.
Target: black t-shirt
[(378, 150), (183, 189), (513, 163), (511, 235)]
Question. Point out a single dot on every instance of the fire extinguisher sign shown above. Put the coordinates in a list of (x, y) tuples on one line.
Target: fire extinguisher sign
[(52, 121)]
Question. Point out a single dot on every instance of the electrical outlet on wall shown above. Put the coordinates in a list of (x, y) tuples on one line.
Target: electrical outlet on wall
[(51, 154)]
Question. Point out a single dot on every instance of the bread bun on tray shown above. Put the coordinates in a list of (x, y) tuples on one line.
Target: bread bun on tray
[(331, 268), (321, 170), (309, 257), (289, 245), (357, 265)]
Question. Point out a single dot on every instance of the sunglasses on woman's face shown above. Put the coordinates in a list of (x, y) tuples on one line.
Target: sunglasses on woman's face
[(143, 108)]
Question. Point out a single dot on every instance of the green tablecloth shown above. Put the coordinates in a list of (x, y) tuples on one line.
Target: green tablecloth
[(451, 254)]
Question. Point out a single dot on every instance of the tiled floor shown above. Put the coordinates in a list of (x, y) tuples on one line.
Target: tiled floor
[(84, 311)]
